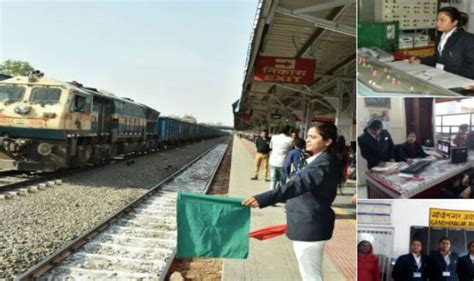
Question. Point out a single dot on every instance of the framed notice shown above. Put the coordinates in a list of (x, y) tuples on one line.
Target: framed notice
[(378, 212)]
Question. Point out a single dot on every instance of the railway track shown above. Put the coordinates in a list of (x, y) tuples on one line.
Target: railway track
[(139, 241)]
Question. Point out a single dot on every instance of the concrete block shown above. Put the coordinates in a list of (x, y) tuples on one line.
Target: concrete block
[(12, 193), (58, 182), (33, 189), (50, 184), (42, 186)]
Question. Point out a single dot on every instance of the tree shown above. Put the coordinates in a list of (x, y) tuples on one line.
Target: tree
[(16, 68)]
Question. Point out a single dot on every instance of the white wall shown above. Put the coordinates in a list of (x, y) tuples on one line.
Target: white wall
[(396, 127), (412, 212)]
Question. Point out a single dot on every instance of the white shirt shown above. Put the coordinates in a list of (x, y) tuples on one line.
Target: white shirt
[(417, 260), (446, 259), (472, 258), (444, 39), (280, 145), (311, 159)]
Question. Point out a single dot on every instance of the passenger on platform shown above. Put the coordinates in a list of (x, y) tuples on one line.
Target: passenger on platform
[(308, 196), (263, 151), (442, 263), (411, 149), (367, 263), (465, 267), (412, 266), (376, 144), (294, 137), (296, 158), (280, 145), (461, 136), (454, 46)]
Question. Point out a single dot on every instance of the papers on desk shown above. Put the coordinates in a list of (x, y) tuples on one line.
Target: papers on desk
[(387, 168), (433, 75)]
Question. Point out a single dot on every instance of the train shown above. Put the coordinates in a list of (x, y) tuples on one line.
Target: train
[(48, 125)]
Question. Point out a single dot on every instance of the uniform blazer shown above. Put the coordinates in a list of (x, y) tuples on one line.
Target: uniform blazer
[(406, 152), (405, 266), (308, 196), (376, 151), (457, 56), (465, 269), (437, 264)]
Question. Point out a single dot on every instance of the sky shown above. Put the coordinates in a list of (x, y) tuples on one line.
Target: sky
[(179, 57)]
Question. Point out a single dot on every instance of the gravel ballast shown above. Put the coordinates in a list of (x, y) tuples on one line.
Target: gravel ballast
[(34, 226)]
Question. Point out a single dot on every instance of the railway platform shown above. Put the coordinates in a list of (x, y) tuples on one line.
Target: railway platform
[(274, 259)]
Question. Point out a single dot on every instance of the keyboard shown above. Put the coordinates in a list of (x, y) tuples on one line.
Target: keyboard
[(416, 167)]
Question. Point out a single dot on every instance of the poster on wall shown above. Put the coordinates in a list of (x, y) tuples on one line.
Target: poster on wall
[(377, 102), (381, 115)]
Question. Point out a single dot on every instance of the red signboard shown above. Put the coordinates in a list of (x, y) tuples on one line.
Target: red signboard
[(284, 70)]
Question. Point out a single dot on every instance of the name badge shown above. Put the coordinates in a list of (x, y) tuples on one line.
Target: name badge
[(440, 66), (446, 274), (416, 274)]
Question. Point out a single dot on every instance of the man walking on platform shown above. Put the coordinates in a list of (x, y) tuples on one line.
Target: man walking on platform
[(280, 145), (261, 159)]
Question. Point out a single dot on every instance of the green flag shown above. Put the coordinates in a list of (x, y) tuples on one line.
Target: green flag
[(212, 226)]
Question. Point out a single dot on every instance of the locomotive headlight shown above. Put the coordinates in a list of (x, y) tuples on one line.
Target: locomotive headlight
[(45, 149), (22, 109)]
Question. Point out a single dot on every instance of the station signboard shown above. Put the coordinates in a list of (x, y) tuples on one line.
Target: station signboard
[(284, 70), (451, 218)]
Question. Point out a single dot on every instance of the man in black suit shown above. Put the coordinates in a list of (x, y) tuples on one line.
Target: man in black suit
[(465, 266), (442, 263), (376, 144), (412, 266)]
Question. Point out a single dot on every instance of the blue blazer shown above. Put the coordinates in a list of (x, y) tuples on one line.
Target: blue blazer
[(437, 264), (465, 269), (405, 267), (310, 194)]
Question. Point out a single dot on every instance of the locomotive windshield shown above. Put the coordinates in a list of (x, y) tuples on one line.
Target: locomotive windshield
[(45, 95), (11, 93)]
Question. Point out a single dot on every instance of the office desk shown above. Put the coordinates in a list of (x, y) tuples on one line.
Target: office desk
[(428, 184)]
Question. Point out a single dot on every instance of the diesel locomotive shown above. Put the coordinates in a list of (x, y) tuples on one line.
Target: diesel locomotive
[(46, 125)]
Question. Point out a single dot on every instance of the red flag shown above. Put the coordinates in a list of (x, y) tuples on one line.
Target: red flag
[(268, 232)]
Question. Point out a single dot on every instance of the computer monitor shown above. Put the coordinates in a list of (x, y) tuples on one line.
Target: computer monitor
[(443, 148)]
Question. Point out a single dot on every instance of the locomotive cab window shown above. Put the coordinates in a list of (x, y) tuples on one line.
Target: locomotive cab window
[(11, 93), (45, 95), (80, 104)]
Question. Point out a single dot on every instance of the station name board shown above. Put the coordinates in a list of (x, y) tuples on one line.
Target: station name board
[(451, 218), (284, 70)]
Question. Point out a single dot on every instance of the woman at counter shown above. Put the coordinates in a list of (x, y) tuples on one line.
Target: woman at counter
[(454, 46), (411, 149)]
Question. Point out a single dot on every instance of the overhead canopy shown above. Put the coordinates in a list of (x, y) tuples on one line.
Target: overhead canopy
[(323, 30)]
